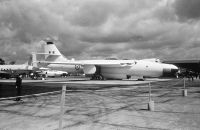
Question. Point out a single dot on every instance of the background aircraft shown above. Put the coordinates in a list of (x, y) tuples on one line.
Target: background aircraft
[(8, 71), (46, 72), (53, 73), (110, 69)]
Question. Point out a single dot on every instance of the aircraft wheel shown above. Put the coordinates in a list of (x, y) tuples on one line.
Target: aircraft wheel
[(101, 77), (141, 79), (97, 77), (93, 77), (128, 76)]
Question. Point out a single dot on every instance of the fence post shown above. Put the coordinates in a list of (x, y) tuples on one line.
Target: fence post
[(62, 103), (184, 91), (150, 103), (149, 91)]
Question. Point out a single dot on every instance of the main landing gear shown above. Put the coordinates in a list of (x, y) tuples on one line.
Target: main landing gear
[(98, 77)]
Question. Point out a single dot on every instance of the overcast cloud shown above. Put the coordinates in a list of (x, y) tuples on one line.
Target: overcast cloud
[(136, 29)]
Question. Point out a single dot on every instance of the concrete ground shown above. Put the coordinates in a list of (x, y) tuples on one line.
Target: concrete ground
[(108, 107)]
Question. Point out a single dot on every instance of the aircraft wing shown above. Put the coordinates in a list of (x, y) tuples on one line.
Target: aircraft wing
[(108, 63)]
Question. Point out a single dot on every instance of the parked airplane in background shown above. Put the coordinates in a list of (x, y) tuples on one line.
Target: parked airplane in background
[(110, 69), (7, 71), (51, 73)]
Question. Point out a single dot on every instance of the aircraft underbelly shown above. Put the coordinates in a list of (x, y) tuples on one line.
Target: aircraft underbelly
[(115, 72), (122, 72)]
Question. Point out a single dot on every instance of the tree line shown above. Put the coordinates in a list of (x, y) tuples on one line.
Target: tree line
[(2, 62)]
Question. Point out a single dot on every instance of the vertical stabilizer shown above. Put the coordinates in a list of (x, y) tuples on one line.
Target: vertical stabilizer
[(51, 49), (52, 53)]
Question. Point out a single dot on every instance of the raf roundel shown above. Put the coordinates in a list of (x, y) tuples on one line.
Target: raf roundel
[(77, 67)]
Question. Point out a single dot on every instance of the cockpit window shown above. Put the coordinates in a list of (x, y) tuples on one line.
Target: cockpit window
[(49, 42), (111, 58)]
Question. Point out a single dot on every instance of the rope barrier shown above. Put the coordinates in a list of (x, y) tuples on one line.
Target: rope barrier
[(78, 90), (27, 96)]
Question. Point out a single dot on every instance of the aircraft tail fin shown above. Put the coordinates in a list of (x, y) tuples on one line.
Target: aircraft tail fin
[(52, 52)]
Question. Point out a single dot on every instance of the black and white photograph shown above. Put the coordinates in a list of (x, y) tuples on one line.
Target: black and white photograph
[(99, 64)]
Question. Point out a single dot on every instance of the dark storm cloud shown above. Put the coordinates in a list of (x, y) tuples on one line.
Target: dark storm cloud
[(14, 52), (112, 38), (92, 14), (187, 9), (101, 28), (17, 17), (30, 19), (24, 22)]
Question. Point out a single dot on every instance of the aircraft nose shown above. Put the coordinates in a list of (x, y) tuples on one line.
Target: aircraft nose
[(170, 71)]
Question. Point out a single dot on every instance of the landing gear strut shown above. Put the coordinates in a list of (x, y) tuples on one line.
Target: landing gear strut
[(97, 77)]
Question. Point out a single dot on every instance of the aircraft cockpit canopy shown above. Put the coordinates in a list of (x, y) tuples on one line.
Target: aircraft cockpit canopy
[(111, 58), (49, 43)]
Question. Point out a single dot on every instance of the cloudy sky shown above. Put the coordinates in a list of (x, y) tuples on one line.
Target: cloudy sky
[(84, 29)]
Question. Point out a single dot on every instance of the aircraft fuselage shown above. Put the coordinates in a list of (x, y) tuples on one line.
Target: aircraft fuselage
[(138, 68)]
